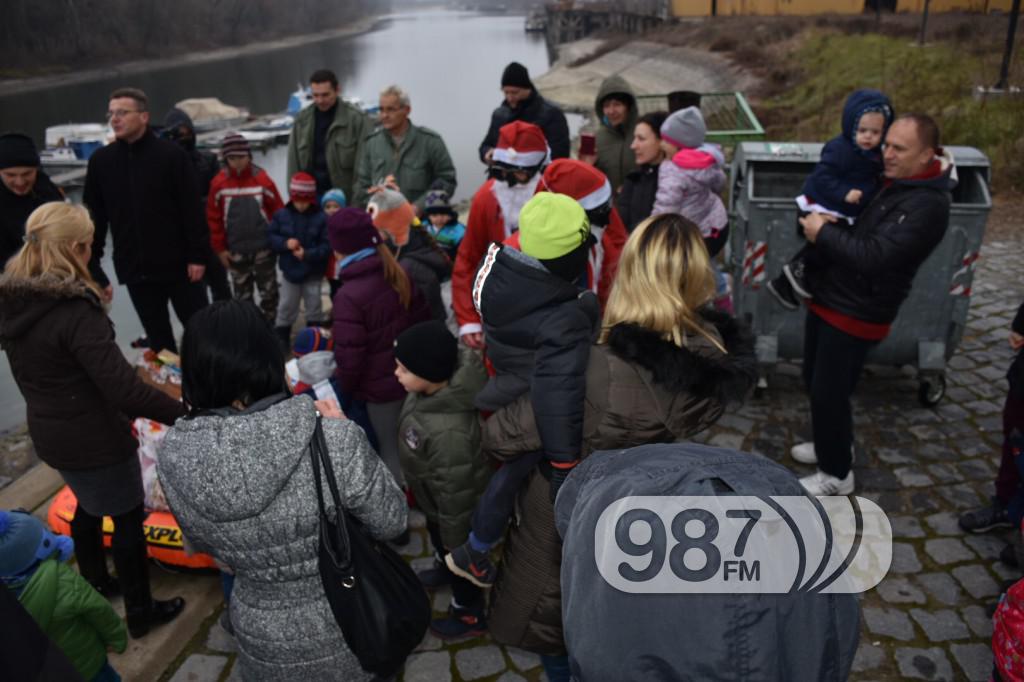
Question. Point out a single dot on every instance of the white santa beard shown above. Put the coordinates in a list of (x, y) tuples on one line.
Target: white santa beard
[(512, 199)]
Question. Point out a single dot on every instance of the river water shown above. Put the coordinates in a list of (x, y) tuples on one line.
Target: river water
[(449, 62)]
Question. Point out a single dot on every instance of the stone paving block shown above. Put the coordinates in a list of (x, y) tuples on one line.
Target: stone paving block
[(509, 676), (736, 423), (977, 620), (479, 661), (200, 668), (937, 451), (417, 519), (975, 470), (974, 659), (429, 643), (990, 424), (941, 587), (868, 657), (906, 527), (925, 502), (961, 496), (431, 666), (944, 523), (442, 598), (976, 580), (944, 473), (1006, 572), (893, 455), (904, 559), (733, 441), (414, 547), (925, 432), (941, 625), (987, 546), (896, 590), (236, 672), (523, 660), (877, 478), (948, 551), (888, 623), (219, 639), (924, 664)]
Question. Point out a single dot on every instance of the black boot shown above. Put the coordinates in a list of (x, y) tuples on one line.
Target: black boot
[(142, 611), (284, 335), (91, 562)]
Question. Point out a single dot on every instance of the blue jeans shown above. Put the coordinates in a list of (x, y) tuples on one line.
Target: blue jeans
[(556, 668), (106, 674)]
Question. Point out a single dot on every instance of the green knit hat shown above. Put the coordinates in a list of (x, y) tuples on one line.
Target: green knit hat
[(552, 225)]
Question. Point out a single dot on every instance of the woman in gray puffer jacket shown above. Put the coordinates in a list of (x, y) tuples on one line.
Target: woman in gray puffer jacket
[(238, 477)]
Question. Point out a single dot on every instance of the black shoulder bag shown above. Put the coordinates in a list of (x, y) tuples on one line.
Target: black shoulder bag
[(377, 601)]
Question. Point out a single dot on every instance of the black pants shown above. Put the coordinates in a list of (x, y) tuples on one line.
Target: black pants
[(466, 594), (216, 277), (833, 362), (87, 532), (497, 503), (150, 300)]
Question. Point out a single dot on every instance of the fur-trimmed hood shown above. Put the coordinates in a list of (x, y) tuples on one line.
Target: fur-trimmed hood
[(23, 302), (700, 369)]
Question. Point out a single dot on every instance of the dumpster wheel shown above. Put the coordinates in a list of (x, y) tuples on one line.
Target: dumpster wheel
[(931, 390)]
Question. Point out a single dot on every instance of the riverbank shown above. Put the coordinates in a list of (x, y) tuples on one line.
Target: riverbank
[(13, 86)]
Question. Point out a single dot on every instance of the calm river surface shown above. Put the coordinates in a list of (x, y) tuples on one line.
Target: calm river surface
[(449, 62)]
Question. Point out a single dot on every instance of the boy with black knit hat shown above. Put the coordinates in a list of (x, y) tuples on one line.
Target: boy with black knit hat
[(439, 447), (539, 326)]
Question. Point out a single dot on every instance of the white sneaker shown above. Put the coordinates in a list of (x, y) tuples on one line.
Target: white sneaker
[(804, 453), (820, 483)]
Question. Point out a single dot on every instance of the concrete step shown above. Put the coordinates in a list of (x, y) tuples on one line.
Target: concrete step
[(33, 489)]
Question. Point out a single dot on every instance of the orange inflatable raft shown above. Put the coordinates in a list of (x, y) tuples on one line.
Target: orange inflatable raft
[(164, 541)]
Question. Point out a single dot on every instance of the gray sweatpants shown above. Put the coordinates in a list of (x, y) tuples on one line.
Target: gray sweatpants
[(290, 294)]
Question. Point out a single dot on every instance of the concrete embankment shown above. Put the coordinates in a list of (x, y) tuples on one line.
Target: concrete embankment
[(650, 68)]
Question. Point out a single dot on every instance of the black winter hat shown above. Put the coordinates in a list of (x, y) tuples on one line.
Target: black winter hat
[(17, 149), (428, 350), (516, 75)]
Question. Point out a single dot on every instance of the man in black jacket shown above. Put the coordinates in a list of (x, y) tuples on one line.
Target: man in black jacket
[(524, 103), (145, 189), (24, 187), (856, 299)]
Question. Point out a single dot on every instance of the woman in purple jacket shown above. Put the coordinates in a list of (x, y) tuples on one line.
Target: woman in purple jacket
[(375, 303)]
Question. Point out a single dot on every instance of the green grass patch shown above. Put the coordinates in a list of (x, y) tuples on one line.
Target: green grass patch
[(937, 79)]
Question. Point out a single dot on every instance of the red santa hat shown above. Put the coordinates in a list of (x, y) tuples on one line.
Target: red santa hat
[(522, 145), (584, 183)]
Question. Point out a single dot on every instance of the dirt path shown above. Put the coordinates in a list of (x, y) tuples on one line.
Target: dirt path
[(650, 68)]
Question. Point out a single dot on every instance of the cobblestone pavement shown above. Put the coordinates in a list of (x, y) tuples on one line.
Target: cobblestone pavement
[(927, 620)]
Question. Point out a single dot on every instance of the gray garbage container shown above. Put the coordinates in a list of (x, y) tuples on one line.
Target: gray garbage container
[(767, 176)]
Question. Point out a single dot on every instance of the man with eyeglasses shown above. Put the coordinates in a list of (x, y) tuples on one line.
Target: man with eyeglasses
[(416, 156), (145, 190), (518, 160)]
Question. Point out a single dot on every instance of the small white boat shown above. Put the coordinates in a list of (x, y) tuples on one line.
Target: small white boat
[(303, 97), (81, 139), (60, 156), (209, 113)]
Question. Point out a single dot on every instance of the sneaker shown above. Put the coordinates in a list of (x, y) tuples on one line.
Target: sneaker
[(805, 454), (986, 518), (459, 623), (476, 567), (436, 576), (820, 483), (794, 273), (783, 293), (141, 342)]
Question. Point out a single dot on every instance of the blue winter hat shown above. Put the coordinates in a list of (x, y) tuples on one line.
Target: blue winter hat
[(20, 537), (335, 195)]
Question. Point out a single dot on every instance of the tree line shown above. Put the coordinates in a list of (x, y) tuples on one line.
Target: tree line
[(38, 35)]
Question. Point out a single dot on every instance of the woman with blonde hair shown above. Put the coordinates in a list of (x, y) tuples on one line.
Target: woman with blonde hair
[(81, 395), (664, 368)]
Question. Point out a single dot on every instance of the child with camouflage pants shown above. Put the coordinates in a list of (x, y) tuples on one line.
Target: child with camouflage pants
[(241, 202)]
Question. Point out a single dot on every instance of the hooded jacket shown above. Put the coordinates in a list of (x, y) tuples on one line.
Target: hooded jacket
[(147, 193), (537, 110), (74, 615), (689, 184), (614, 157), (428, 266), (872, 266), (204, 162), (241, 488), (439, 447), (845, 166), (239, 210), (368, 317), (15, 210), (539, 329), (617, 636), (310, 228), (640, 389), (79, 390)]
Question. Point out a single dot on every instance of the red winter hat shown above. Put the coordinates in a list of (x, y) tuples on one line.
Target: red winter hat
[(302, 187), (584, 183), (522, 145)]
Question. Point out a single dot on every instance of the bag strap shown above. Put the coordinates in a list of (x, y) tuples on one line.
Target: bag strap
[(342, 553)]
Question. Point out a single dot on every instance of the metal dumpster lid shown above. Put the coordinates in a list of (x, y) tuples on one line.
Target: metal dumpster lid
[(810, 152)]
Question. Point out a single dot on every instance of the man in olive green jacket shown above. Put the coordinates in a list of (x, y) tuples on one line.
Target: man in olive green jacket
[(416, 156), (616, 109), (327, 138)]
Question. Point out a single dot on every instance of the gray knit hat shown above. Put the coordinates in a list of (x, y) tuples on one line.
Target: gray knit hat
[(436, 201), (684, 128)]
